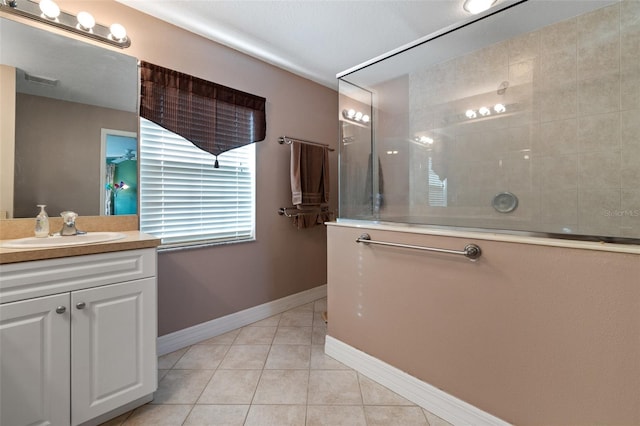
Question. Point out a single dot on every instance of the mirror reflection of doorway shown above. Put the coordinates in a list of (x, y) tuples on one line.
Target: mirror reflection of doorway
[(119, 174)]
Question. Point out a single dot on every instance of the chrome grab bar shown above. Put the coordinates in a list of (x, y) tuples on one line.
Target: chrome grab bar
[(471, 251)]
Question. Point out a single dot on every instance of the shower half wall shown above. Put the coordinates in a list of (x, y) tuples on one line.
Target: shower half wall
[(544, 328)]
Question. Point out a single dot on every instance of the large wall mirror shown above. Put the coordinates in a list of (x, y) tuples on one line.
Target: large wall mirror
[(68, 95)]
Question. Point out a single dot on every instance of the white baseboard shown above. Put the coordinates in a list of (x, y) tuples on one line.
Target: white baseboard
[(206, 330), (443, 405)]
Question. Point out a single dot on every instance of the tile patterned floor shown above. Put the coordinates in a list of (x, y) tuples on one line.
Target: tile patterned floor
[(273, 372)]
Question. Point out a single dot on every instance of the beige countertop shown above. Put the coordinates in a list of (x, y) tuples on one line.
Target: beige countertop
[(133, 240)]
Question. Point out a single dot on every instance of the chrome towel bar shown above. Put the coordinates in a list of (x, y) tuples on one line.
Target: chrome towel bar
[(471, 251)]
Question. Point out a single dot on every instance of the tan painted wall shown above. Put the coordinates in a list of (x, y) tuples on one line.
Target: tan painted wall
[(534, 335), (203, 284), (7, 134)]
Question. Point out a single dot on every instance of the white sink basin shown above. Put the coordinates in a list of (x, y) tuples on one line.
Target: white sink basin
[(58, 241)]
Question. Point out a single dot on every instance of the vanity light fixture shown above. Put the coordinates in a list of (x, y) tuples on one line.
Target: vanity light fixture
[(357, 116), (86, 21), (424, 140), (47, 11), (485, 111), (477, 6)]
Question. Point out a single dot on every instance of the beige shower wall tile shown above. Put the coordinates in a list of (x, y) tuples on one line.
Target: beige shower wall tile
[(524, 47), (599, 170), (597, 212), (559, 102), (598, 60), (630, 94), (630, 169), (599, 95), (558, 137), (523, 72), (630, 15), (557, 68), (630, 212), (599, 43), (600, 132), (519, 171), (559, 207), (630, 131), (599, 26), (562, 36)]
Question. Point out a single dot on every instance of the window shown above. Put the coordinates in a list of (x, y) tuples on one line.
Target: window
[(437, 188), (184, 199)]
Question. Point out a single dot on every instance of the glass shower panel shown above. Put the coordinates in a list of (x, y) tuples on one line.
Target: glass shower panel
[(524, 120)]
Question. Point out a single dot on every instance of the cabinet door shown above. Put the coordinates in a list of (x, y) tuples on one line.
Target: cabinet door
[(113, 347), (34, 362)]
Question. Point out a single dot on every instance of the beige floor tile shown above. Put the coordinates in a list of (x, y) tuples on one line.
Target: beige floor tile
[(118, 421), (158, 415), (204, 357), (434, 420), (293, 336), (217, 415), (297, 319), (394, 416), (374, 393), (276, 415), (322, 361), (320, 305), (318, 335), (231, 387), (303, 308), (267, 322), (288, 357), (318, 321), (245, 357), (223, 339), (282, 387), (166, 362), (161, 374), (256, 336), (334, 387), (181, 386), (332, 415)]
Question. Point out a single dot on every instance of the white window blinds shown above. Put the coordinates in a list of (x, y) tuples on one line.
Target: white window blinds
[(184, 199)]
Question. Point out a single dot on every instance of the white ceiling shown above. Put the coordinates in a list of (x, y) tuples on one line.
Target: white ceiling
[(313, 38)]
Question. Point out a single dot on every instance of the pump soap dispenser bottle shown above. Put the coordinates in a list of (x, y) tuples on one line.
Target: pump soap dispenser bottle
[(42, 223)]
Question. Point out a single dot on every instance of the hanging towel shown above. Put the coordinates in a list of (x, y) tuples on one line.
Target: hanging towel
[(309, 183), (309, 175)]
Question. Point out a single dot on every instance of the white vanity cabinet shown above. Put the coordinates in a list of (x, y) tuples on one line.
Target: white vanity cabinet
[(77, 337)]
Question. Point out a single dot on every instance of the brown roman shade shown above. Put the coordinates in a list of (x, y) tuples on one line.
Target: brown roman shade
[(213, 117)]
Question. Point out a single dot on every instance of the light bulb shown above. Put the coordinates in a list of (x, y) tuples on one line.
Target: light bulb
[(358, 116), (484, 111), (365, 118), (351, 113), (118, 32), (86, 21), (470, 113), (49, 9), (426, 139), (477, 6), (499, 108)]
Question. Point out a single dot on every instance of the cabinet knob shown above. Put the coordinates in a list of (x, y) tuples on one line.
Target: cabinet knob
[(81, 305), (61, 310)]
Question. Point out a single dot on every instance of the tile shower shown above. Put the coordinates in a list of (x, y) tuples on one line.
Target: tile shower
[(567, 144)]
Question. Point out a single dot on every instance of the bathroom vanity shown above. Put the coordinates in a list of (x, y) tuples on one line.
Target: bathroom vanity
[(78, 334)]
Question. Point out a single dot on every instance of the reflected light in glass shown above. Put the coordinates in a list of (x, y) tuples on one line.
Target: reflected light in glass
[(499, 108), (470, 113), (484, 111)]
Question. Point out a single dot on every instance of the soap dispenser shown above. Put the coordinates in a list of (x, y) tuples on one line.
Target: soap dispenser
[(42, 223)]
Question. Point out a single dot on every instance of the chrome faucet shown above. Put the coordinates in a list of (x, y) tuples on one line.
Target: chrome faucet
[(69, 224)]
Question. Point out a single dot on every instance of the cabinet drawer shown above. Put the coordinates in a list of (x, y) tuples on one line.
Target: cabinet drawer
[(43, 277)]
